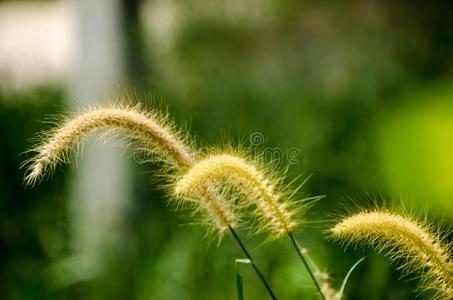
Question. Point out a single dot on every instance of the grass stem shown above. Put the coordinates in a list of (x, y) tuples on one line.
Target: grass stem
[(255, 268), (296, 246)]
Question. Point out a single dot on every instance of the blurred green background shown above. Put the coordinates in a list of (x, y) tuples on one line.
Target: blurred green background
[(360, 92)]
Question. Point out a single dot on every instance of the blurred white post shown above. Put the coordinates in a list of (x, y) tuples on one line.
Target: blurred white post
[(101, 188)]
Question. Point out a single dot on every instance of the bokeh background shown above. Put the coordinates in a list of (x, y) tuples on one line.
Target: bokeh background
[(357, 94)]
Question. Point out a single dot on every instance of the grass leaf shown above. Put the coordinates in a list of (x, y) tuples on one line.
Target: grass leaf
[(345, 280), (239, 281)]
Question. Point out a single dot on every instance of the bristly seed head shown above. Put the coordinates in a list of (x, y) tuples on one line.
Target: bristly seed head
[(403, 239), (226, 169), (151, 128)]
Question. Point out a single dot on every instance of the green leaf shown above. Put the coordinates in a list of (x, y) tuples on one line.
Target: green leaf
[(345, 280), (239, 281)]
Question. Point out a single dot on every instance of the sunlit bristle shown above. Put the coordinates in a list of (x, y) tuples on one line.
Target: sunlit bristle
[(405, 240)]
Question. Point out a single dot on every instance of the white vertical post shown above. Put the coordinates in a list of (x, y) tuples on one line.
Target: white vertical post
[(101, 189)]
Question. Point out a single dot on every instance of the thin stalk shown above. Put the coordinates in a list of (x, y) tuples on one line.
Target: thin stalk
[(252, 262), (294, 243)]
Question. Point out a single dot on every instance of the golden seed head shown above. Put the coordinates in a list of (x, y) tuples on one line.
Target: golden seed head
[(151, 128), (227, 169), (402, 238)]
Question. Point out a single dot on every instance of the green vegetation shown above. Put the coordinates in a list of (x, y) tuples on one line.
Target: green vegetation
[(355, 96)]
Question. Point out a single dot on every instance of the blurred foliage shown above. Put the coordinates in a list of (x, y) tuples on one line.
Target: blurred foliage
[(362, 89), (33, 228), (415, 143)]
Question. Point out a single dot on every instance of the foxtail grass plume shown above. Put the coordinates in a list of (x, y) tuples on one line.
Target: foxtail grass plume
[(152, 128), (252, 185), (406, 240), (259, 189)]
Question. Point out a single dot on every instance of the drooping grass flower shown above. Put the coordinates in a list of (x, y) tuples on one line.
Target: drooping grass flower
[(259, 189), (403, 239), (159, 137), (274, 211), (152, 128)]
